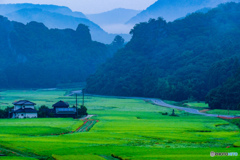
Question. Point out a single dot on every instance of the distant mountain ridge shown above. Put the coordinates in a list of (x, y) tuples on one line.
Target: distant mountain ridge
[(173, 9), (50, 19), (55, 20), (55, 17), (9, 8), (115, 16)]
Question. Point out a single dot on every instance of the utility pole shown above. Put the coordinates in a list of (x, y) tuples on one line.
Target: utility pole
[(76, 100), (83, 97), (227, 100), (76, 105)]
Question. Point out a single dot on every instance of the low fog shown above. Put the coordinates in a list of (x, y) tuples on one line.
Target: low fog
[(118, 28)]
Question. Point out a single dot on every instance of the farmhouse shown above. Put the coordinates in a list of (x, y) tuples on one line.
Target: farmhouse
[(61, 109), (24, 109)]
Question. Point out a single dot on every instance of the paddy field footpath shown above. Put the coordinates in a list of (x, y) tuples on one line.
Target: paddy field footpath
[(126, 129)]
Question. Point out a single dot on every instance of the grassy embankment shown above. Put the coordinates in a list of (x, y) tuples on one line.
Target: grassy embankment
[(127, 128)]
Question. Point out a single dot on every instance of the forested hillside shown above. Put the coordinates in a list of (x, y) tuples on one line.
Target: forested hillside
[(179, 60), (34, 56), (226, 96)]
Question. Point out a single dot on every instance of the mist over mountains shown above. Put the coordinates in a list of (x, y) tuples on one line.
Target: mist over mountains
[(173, 9), (114, 21), (56, 17)]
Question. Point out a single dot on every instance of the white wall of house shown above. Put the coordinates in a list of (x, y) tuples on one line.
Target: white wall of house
[(16, 107), (25, 115)]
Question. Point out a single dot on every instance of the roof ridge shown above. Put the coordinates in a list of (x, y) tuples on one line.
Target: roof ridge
[(22, 102)]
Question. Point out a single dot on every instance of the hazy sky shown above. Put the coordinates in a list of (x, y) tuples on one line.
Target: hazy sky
[(91, 6)]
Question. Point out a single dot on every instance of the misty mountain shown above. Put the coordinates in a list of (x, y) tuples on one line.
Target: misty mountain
[(113, 21), (116, 16), (56, 20), (173, 9), (56, 17), (179, 60), (9, 8), (34, 56)]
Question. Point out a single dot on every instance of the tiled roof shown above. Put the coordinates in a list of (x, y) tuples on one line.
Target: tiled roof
[(61, 104), (24, 102), (26, 110)]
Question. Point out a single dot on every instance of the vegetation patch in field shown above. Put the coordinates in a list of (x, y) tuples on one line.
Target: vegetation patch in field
[(237, 144), (78, 157), (38, 127), (197, 104), (118, 157), (31, 131), (17, 158), (224, 112), (226, 124), (200, 131)]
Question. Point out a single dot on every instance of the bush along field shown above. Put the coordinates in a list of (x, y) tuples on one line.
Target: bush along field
[(120, 129)]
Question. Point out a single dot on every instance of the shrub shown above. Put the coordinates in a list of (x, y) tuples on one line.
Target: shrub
[(45, 112), (5, 113), (82, 111), (165, 113)]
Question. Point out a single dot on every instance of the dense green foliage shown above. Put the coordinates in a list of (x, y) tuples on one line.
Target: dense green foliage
[(34, 56), (178, 60), (226, 95), (82, 111), (4, 113), (44, 112)]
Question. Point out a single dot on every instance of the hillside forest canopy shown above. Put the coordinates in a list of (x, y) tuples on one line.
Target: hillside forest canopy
[(33, 56), (193, 58)]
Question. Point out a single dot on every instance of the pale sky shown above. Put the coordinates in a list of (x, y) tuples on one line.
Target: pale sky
[(91, 6)]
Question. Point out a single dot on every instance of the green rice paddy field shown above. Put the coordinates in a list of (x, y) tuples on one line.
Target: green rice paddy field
[(127, 129)]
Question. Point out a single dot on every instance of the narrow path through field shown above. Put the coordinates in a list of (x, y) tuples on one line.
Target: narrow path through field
[(86, 117), (87, 125)]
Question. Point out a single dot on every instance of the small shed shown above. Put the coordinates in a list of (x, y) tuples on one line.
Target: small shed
[(24, 109)]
